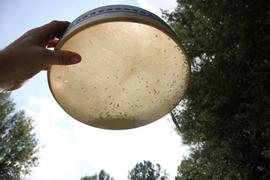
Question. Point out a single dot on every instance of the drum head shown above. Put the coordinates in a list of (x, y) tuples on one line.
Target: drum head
[(131, 74)]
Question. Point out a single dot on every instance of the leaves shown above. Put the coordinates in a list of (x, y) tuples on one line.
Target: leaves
[(18, 143), (103, 175), (225, 114), (147, 171)]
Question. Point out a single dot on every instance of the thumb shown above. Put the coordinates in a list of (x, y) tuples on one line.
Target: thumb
[(63, 58)]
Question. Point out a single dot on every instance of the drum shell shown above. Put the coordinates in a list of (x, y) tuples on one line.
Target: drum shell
[(144, 18)]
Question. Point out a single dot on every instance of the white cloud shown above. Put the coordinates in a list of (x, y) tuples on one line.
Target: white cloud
[(154, 142), (73, 150), (57, 157), (155, 6)]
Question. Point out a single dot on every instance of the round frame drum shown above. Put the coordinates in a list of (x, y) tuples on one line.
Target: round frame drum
[(133, 70)]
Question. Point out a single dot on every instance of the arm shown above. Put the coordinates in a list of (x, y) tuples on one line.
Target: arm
[(27, 56)]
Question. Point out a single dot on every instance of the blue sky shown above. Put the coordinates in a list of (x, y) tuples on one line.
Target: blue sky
[(71, 149)]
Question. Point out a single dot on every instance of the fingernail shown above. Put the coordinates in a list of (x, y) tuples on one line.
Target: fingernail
[(75, 59)]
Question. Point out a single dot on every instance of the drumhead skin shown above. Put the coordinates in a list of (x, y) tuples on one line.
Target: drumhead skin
[(133, 70)]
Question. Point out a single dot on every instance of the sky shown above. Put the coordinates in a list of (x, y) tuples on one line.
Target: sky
[(71, 149)]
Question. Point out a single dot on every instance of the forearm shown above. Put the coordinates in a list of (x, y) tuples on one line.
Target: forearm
[(4, 82), (8, 81)]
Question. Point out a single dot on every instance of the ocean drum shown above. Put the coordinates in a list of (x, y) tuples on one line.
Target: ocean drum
[(133, 70)]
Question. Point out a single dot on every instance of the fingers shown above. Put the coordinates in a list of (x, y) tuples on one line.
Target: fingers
[(52, 43), (47, 35), (55, 28), (27, 56), (49, 31), (62, 58)]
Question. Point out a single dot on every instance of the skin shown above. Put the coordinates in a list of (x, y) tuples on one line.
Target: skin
[(28, 55)]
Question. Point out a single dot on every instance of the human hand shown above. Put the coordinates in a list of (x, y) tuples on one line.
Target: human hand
[(28, 55)]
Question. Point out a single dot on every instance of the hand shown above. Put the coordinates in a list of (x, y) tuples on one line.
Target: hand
[(28, 55)]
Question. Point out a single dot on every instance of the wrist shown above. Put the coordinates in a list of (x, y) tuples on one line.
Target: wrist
[(5, 75)]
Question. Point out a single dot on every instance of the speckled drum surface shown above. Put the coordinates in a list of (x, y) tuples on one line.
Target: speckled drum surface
[(133, 70)]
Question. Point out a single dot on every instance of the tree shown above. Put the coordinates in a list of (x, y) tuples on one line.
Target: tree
[(103, 175), (93, 177), (18, 142), (225, 114), (147, 171), (194, 167)]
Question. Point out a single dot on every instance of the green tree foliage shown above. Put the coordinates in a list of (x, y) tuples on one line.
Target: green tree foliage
[(18, 143), (147, 171), (225, 115), (93, 177), (103, 175)]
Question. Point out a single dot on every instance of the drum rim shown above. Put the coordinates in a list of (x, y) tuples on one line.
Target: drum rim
[(117, 13), (115, 8)]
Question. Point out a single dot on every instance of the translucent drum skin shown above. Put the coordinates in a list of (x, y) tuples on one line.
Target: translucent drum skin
[(134, 69)]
